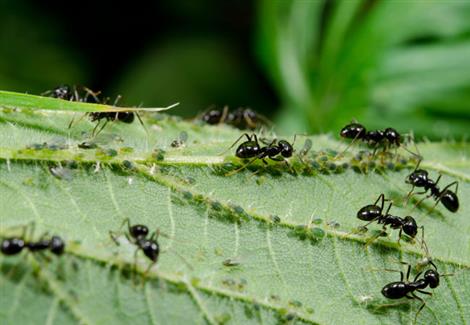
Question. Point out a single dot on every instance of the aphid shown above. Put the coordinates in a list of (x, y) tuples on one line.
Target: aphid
[(388, 138), (138, 235), (182, 139), (373, 212), (14, 245), (276, 150), (401, 289), (419, 178)]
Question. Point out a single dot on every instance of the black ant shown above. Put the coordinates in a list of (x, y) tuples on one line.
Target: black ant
[(73, 93), (276, 150), (373, 212), (241, 118), (14, 245), (419, 178), (387, 138), (401, 289), (137, 235)]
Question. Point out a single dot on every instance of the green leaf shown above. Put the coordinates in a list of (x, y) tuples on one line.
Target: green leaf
[(335, 61), (261, 246)]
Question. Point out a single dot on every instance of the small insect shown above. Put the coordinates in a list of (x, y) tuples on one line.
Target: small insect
[(73, 93), (245, 118), (276, 150), (14, 245), (374, 212), (419, 178), (401, 289), (138, 235), (241, 118), (388, 138)]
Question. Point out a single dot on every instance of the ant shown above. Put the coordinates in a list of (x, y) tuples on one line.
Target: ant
[(373, 212), (387, 138), (419, 178), (246, 118), (276, 150), (400, 289), (14, 245), (241, 118), (73, 93), (137, 235)]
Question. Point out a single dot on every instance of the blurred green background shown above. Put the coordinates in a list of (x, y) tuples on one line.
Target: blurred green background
[(308, 65)]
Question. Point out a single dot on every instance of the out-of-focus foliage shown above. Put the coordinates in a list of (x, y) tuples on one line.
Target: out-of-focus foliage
[(401, 63), (34, 51)]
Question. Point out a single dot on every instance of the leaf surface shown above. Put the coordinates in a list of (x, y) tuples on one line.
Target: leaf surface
[(260, 246)]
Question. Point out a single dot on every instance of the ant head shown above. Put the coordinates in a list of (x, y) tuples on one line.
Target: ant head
[(126, 117), (353, 131), (410, 227), (419, 178), (57, 245), (61, 92), (286, 148), (139, 231), (392, 135), (432, 278)]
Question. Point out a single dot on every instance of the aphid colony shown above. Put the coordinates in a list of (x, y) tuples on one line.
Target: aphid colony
[(279, 151)]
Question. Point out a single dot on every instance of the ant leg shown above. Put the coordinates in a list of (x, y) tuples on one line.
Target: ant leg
[(388, 209), (410, 194), (94, 129), (114, 236), (381, 197), (425, 292), (347, 147), (242, 167), (399, 236), (91, 93), (424, 198), (420, 308), (142, 123), (73, 118), (149, 268), (243, 135), (101, 129), (373, 238), (116, 101), (223, 118)]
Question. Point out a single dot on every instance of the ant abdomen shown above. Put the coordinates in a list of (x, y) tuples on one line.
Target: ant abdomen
[(12, 246), (409, 226), (450, 200), (395, 290), (369, 212), (353, 131)]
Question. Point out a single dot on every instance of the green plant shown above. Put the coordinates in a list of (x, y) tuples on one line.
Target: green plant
[(261, 246), (402, 63)]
